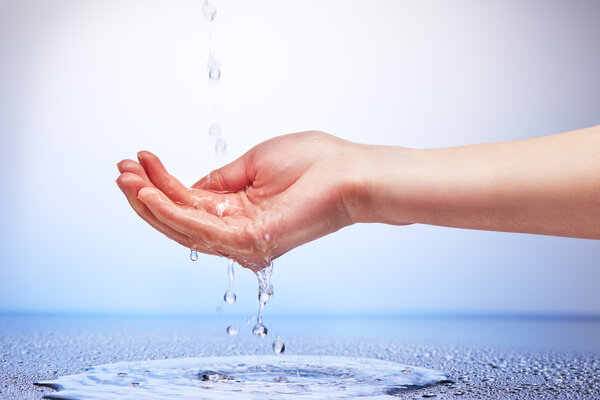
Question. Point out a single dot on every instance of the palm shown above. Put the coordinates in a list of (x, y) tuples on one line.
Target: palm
[(269, 201)]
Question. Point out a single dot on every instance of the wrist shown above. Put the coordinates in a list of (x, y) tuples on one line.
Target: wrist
[(381, 185)]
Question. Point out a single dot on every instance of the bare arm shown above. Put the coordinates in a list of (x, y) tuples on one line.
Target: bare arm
[(295, 188), (548, 185)]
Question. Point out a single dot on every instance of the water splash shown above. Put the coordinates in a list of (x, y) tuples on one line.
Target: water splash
[(283, 377)]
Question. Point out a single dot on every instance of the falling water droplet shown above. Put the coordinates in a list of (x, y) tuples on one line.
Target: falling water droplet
[(193, 255), (209, 11), (278, 345), (214, 131), (230, 272), (229, 297), (220, 146), (233, 330), (259, 330), (265, 291), (214, 68)]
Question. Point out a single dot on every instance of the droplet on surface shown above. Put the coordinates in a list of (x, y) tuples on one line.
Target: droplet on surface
[(209, 11), (193, 255), (229, 297), (214, 68), (259, 330), (122, 374), (278, 345), (214, 131), (220, 146), (135, 384), (233, 330)]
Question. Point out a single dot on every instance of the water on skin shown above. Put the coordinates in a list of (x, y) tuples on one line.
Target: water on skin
[(283, 377)]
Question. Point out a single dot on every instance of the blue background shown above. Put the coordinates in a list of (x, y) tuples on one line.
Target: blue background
[(87, 83)]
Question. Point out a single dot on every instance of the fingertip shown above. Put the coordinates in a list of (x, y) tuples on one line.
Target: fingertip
[(147, 193), (145, 155), (201, 184), (122, 165)]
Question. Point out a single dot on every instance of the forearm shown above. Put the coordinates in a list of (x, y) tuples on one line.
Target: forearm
[(548, 185)]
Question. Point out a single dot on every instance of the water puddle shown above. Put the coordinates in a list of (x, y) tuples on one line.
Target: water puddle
[(247, 377)]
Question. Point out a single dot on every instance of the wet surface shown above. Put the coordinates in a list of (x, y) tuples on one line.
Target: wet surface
[(483, 358)]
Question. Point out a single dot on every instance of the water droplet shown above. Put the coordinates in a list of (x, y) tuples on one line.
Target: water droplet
[(259, 330), (220, 146), (122, 374), (278, 345), (233, 330), (267, 237), (209, 11), (193, 255), (230, 272), (229, 297), (214, 131), (135, 384), (214, 68)]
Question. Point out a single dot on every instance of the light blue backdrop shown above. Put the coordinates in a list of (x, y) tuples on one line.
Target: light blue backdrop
[(87, 83)]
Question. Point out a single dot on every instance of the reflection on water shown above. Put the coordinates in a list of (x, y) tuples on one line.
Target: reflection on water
[(248, 377)]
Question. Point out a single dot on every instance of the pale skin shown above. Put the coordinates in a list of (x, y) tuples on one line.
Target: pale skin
[(295, 188)]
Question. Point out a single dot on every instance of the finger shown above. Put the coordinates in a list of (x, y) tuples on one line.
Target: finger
[(200, 225), (130, 184), (163, 181), (214, 203), (135, 168), (233, 177)]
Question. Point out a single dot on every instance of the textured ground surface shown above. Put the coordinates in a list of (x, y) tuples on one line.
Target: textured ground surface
[(486, 358)]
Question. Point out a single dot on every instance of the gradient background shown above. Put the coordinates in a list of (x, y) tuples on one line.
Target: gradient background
[(86, 83)]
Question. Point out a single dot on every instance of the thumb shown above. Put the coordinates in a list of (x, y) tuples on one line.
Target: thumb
[(233, 177)]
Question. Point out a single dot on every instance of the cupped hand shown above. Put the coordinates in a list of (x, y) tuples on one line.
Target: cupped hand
[(282, 193)]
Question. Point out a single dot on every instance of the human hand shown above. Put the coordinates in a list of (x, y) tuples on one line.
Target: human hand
[(282, 193)]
